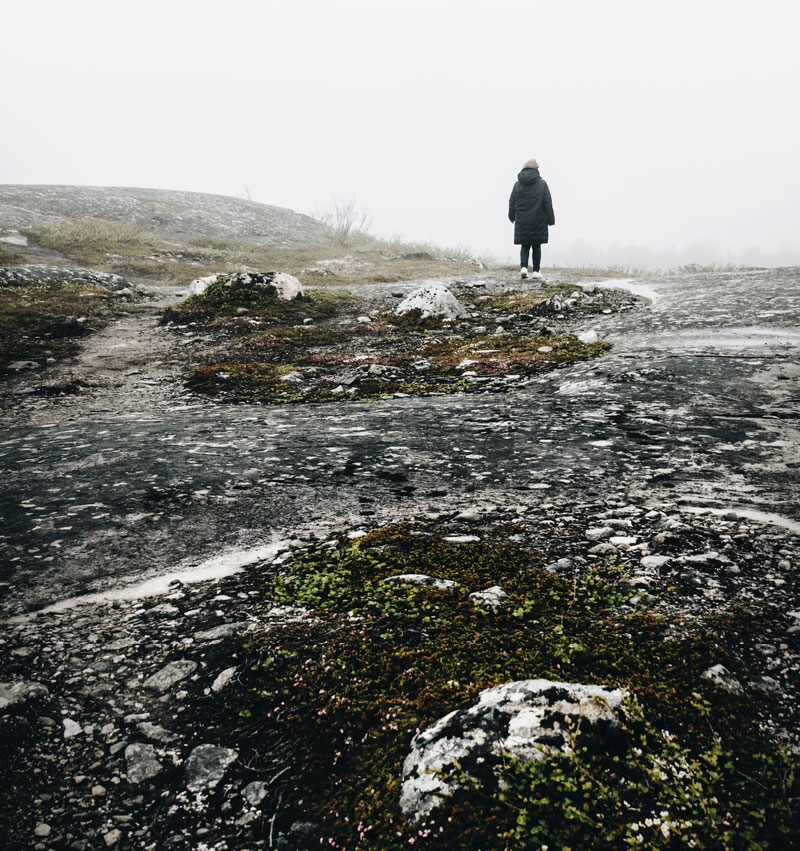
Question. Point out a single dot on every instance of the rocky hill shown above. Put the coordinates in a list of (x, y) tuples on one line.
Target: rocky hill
[(174, 216)]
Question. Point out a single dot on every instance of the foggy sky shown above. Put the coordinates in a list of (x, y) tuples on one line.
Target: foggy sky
[(655, 125)]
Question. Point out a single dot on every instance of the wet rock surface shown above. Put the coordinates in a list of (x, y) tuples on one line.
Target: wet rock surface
[(677, 451)]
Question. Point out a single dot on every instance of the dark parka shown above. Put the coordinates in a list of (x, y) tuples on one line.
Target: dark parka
[(530, 208)]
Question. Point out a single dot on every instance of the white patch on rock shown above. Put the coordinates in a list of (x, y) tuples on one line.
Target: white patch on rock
[(589, 337), (493, 597), (420, 579), (432, 300), (526, 719)]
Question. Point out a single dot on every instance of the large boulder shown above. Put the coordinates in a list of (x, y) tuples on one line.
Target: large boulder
[(286, 286), (433, 300), (527, 719)]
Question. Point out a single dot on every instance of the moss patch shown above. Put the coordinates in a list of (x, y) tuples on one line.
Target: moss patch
[(417, 368), (222, 300), (377, 661), (43, 320)]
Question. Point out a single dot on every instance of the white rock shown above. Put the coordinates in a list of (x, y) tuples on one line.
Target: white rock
[(655, 562), (288, 286), (526, 719), (623, 541), (544, 349), (432, 300), (223, 679), (493, 597), (200, 285), (71, 728), (461, 539), (420, 579), (589, 337)]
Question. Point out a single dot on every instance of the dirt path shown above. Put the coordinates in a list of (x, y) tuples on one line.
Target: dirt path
[(131, 366)]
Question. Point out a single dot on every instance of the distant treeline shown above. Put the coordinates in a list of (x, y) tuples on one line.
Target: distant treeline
[(582, 254)]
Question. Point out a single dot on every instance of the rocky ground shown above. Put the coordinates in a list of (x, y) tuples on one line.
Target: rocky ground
[(674, 453)]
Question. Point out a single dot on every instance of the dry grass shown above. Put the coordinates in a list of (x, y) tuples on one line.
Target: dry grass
[(143, 257), (9, 257)]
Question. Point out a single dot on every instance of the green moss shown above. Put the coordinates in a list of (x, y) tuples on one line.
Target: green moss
[(262, 381), (378, 661), (511, 354), (228, 297), (512, 302), (295, 337), (39, 321)]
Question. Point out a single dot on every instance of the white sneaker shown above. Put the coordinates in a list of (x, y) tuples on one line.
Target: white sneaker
[(523, 272), (537, 276)]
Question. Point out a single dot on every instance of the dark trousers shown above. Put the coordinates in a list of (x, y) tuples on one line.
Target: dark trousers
[(536, 256)]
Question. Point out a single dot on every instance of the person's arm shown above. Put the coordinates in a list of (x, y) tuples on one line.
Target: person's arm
[(548, 206), (512, 212)]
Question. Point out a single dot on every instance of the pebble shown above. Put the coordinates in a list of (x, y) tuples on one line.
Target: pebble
[(170, 674), (207, 765)]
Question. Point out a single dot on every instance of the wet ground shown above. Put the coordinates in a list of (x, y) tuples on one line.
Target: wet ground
[(698, 403)]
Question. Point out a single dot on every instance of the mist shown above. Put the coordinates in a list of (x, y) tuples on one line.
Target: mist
[(667, 134)]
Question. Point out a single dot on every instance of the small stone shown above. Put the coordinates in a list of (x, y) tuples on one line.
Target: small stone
[(255, 792), (207, 765), (155, 733), (223, 630), (142, 763), (170, 674), (603, 549), (420, 579), (112, 837), (654, 562), (561, 566), (599, 533), (42, 829), (71, 728), (493, 597), (98, 791), (723, 678), (223, 679)]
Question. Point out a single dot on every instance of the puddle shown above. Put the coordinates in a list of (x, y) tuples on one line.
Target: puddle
[(748, 514), (214, 568)]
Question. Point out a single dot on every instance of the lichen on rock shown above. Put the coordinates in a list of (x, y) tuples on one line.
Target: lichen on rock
[(528, 719)]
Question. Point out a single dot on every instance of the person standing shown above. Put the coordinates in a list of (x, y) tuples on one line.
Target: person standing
[(530, 208)]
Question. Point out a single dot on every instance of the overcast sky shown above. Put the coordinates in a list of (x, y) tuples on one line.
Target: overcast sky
[(654, 123)]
